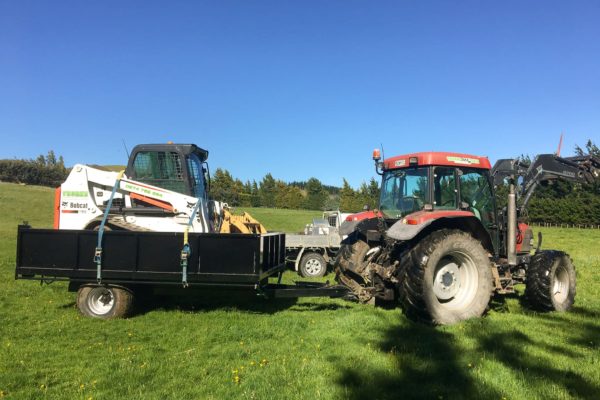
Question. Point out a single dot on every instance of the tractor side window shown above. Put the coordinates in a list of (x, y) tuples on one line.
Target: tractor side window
[(475, 190), (444, 188), (197, 176), (403, 191), (161, 169)]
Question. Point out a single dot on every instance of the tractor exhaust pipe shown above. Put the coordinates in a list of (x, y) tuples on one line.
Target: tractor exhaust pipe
[(511, 235)]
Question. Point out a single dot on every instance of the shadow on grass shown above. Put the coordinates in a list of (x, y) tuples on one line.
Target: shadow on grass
[(427, 365), (433, 363), (213, 300)]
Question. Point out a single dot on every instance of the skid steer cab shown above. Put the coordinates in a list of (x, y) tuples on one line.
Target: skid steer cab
[(438, 244), (164, 188)]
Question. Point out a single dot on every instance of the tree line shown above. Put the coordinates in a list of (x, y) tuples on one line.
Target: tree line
[(559, 202), (45, 170), (310, 195)]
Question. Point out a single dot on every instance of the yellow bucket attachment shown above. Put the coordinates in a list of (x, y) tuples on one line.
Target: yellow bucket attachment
[(240, 223)]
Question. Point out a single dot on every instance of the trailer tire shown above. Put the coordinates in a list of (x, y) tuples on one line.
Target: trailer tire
[(105, 302), (312, 265), (551, 281), (447, 278)]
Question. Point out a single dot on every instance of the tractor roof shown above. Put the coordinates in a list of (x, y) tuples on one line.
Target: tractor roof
[(436, 158)]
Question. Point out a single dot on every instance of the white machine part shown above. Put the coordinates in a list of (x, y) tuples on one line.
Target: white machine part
[(81, 199)]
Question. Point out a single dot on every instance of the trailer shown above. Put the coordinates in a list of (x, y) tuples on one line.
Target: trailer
[(131, 262)]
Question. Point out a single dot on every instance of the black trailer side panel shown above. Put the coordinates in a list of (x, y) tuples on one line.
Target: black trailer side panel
[(148, 256)]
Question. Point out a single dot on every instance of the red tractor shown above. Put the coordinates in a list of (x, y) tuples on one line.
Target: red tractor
[(439, 244)]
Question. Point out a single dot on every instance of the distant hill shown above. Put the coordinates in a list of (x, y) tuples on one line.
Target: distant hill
[(115, 168)]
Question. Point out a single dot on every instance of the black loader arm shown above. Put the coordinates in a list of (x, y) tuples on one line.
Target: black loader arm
[(546, 167)]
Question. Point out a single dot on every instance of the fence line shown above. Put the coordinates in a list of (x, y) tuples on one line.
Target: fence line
[(563, 225)]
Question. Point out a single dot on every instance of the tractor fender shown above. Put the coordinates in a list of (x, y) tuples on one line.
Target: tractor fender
[(402, 231), (411, 225), (361, 221)]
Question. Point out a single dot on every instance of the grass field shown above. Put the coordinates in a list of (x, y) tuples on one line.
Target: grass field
[(235, 345)]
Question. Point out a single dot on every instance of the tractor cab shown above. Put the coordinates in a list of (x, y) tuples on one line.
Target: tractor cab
[(436, 182), (181, 168)]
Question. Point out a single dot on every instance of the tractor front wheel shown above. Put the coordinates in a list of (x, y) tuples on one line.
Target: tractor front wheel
[(447, 278), (551, 281)]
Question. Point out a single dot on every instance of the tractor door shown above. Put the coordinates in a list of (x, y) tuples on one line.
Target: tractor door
[(476, 194)]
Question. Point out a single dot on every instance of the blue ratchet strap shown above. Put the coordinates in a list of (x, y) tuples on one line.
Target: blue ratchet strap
[(98, 254), (185, 252)]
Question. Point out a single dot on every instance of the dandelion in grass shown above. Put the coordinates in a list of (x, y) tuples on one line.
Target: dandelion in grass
[(263, 362)]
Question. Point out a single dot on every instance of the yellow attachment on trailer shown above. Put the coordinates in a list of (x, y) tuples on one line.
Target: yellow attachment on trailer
[(244, 223)]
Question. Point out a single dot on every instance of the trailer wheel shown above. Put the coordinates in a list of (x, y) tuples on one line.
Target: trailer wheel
[(105, 302), (447, 278), (551, 281), (312, 265)]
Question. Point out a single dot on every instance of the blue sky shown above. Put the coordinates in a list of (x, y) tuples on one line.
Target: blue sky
[(299, 89)]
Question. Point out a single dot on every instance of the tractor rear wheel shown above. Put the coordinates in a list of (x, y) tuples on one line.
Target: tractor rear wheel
[(350, 265), (352, 255), (447, 278), (551, 281), (104, 302)]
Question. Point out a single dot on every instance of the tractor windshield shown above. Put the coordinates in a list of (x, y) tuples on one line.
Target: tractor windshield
[(403, 191)]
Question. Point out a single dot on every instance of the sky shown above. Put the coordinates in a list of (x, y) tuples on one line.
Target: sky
[(299, 89)]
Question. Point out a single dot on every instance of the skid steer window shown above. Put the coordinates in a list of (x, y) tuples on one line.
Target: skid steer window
[(160, 168), (403, 191), (197, 176)]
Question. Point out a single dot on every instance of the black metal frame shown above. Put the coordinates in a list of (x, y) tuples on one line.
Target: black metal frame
[(131, 257)]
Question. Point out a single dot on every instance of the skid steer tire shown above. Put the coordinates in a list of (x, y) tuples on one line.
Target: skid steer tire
[(447, 278), (312, 265), (105, 302), (551, 282)]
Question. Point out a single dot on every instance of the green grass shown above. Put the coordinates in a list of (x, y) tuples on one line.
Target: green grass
[(194, 347), (282, 220)]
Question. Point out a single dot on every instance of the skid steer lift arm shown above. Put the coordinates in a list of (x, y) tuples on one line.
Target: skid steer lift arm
[(546, 167)]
